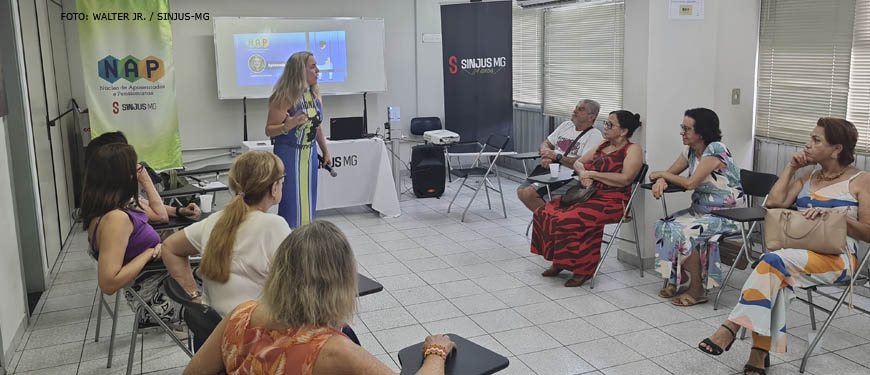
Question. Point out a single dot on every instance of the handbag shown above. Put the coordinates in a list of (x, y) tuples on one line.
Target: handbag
[(789, 229), (577, 194)]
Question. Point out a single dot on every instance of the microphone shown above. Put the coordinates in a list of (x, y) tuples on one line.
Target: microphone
[(326, 166)]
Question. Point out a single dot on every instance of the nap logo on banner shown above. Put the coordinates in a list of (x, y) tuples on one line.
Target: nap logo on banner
[(477, 65), (110, 69)]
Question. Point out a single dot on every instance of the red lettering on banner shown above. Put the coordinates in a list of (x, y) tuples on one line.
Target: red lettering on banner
[(115, 109), (452, 62)]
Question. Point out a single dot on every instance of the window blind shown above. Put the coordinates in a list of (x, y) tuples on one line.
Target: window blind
[(803, 65), (859, 76), (526, 46), (583, 53)]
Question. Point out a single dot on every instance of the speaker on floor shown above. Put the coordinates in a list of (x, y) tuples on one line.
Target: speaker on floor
[(428, 171)]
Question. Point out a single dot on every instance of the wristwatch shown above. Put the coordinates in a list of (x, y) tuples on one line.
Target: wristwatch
[(559, 157)]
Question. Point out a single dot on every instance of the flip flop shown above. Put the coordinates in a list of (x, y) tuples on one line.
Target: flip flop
[(685, 300)]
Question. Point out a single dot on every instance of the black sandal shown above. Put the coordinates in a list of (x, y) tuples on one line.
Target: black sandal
[(716, 350), (760, 371)]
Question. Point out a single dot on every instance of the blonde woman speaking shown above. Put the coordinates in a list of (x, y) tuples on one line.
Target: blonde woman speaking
[(295, 113)]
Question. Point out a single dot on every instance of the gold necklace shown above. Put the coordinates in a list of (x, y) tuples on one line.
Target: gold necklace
[(820, 177)]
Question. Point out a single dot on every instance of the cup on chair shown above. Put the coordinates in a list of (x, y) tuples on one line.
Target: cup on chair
[(205, 201), (554, 169)]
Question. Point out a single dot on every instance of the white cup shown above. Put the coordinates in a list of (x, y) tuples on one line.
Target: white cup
[(554, 169), (205, 201)]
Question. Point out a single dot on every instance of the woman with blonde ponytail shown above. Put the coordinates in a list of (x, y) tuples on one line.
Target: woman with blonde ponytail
[(237, 242), (295, 113)]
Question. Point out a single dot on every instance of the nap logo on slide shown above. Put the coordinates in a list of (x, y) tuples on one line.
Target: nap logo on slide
[(130, 68), (476, 65)]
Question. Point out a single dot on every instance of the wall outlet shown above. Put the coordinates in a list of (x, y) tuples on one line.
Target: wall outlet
[(735, 96)]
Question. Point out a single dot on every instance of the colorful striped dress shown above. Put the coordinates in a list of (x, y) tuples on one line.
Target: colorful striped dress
[(298, 150), (695, 227), (765, 297)]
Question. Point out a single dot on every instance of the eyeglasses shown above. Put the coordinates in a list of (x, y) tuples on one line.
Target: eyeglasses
[(281, 179), (685, 129), (608, 124)]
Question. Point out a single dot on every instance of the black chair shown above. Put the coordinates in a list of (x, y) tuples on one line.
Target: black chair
[(627, 215), (496, 143), (755, 185), (201, 319)]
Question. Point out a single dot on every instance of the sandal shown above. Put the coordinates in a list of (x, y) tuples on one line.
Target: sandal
[(716, 349), (576, 281), (747, 369), (685, 300), (553, 271), (671, 290)]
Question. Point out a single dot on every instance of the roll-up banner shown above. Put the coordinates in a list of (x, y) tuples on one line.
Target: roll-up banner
[(129, 76), (478, 82)]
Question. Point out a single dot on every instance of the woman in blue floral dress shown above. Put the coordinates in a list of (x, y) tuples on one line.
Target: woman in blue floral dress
[(687, 249)]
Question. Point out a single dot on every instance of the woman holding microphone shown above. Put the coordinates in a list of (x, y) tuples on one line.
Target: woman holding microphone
[(295, 113)]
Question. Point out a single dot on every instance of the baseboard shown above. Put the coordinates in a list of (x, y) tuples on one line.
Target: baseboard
[(16, 340)]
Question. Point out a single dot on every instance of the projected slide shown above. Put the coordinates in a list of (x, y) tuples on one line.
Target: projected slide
[(260, 57)]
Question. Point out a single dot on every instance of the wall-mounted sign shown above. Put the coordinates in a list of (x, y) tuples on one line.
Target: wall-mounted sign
[(686, 9)]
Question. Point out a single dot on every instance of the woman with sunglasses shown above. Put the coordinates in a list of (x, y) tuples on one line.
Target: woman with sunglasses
[(295, 112), (237, 243), (570, 235), (687, 248)]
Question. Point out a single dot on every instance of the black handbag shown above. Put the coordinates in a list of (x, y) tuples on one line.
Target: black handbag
[(577, 194)]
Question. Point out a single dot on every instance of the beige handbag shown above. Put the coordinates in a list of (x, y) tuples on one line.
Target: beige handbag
[(789, 229)]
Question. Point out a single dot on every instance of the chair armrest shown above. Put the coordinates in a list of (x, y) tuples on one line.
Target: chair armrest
[(669, 189)]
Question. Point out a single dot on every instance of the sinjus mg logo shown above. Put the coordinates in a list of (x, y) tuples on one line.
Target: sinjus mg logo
[(476, 65), (130, 68)]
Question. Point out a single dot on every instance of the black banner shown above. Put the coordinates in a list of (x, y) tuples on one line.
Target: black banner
[(478, 79)]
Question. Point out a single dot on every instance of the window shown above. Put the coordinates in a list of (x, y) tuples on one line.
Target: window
[(527, 29), (803, 65), (583, 52), (859, 76)]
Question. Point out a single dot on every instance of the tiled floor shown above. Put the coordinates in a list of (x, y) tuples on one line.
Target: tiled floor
[(475, 279)]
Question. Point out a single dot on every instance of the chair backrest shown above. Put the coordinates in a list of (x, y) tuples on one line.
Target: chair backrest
[(201, 319), (757, 184), (641, 175), (497, 141)]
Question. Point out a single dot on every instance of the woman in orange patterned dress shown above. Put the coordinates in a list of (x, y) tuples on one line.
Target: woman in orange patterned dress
[(295, 328)]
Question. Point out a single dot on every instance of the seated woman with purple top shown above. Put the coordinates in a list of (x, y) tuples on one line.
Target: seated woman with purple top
[(121, 240)]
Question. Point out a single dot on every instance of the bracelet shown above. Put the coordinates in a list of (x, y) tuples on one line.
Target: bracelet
[(435, 350), (176, 211)]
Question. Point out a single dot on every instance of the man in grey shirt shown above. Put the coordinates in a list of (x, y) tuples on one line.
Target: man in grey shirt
[(554, 150)]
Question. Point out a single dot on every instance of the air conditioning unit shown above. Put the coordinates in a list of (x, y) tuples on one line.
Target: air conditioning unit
[(543, 3)]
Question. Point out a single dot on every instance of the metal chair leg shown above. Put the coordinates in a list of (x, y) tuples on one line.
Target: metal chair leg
[(486, 184), (731, 269), (456, 194), (812, 308), (114, 313), (481, 186), (824, 326), (500, 194), (604, 253), (637, 240), (133, 337), (99, 313)]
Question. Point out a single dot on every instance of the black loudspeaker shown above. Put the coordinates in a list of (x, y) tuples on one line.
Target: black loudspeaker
[(428, 171)]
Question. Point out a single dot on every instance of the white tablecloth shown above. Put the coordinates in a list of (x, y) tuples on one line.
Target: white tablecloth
[(364, 175)]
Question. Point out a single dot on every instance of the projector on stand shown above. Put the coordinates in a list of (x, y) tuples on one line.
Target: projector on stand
[(440, 137)]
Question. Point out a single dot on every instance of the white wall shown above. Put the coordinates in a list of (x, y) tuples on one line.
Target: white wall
[(13, 309), (205, 121), (675, 65)]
